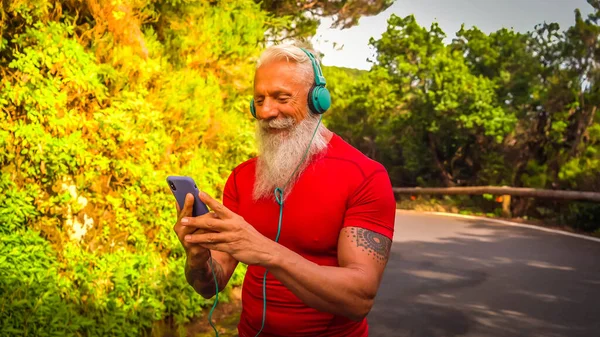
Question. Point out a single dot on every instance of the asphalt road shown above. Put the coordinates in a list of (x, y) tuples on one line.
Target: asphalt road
[(463, 277)]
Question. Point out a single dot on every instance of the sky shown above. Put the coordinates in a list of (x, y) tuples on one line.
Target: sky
[(352, 49)]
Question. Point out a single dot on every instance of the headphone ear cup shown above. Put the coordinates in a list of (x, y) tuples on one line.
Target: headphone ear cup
[(311, 105), (319, 99), (252, 108)]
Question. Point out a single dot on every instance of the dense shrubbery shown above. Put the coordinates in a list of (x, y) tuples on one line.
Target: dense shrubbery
[(99, 105)]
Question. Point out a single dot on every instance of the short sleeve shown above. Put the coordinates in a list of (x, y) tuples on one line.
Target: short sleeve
[(230, 194), (372, 206)]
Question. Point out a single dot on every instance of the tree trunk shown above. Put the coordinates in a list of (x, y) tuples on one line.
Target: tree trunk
[(520, 206), (583, 123), (446, 177)]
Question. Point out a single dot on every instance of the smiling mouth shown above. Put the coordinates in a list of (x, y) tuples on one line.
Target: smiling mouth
[(276, 130)]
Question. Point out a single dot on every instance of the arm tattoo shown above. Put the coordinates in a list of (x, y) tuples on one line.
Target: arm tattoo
[(202, 279), (375, 244)]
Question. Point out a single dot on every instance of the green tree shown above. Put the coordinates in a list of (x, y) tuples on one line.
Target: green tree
[(503, 108), (449, 114), (305, 15), (548, 78)]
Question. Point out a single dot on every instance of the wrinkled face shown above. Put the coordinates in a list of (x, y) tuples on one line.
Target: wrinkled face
[(280, 96)]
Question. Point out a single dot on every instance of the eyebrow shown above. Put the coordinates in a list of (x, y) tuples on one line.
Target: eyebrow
[(277, 93)]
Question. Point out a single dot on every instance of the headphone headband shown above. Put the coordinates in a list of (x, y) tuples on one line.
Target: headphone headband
[(319, 78)]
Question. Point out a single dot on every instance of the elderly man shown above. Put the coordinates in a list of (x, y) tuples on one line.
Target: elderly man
[(311, 216)]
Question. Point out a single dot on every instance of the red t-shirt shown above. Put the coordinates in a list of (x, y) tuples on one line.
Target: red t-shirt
[(343, 188)]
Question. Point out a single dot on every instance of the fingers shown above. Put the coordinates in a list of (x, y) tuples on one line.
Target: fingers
[(181, 230), (222, 247), (187, 206), (207, 238), (206, 222), (216, 206), (203, 230)]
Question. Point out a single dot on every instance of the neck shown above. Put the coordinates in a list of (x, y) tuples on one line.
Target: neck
[(327, 134)]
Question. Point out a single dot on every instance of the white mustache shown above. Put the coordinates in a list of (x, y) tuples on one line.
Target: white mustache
[(278, 123)]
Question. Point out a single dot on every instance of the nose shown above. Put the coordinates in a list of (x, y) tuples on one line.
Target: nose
[(268, 110)]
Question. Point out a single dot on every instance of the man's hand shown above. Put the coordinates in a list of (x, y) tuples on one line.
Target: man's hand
[(223, 230), (198, 272), (196, 254)]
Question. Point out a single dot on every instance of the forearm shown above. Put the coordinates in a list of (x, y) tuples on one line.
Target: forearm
[(200, 276), (336, 290)]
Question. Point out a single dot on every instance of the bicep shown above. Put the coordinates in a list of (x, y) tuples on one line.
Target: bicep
[(364, 240), (366, 251)]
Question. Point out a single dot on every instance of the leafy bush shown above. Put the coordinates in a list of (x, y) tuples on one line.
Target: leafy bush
[(119, 294), (99, 105)]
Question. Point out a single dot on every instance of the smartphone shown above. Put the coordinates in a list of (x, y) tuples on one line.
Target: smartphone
[(180, 186)]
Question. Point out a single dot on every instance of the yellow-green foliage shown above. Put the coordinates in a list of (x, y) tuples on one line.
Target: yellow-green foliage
[(100, 101)]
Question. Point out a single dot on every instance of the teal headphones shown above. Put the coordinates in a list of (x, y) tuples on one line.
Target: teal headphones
[(319, 99)]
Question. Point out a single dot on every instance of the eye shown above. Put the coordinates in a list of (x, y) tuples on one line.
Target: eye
[(259, 101), (283, 99)]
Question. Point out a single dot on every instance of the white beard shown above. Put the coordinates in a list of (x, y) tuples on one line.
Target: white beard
[(281, 153)]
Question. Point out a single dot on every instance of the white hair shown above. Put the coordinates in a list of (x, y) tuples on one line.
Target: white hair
[(290, 53)]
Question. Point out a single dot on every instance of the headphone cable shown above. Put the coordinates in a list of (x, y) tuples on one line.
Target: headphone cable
[(279, 192), (210, 313)]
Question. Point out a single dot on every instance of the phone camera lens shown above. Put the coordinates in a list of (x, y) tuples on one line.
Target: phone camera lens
[(172, 186)]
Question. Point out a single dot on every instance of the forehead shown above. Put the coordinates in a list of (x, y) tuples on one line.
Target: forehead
[(280, 74)]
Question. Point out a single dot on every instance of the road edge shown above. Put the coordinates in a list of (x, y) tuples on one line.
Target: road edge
[(504, 222)]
